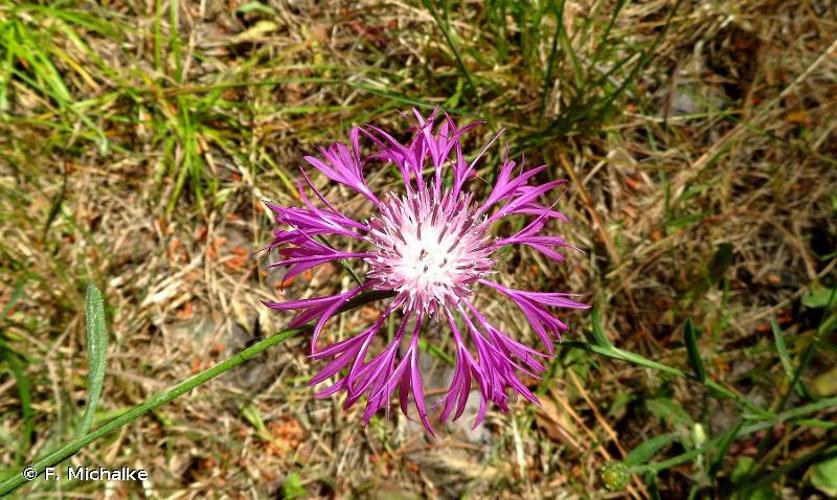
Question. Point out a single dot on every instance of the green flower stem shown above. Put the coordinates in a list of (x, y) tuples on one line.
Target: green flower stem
[(71, 448)]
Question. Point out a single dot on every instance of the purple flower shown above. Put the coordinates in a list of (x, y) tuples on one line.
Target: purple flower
[(429, 245)]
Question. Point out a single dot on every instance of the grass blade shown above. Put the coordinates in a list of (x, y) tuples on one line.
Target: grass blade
[(727, 439), (784, 358), (97, 345), (646, 450), (13, 300), (693, 350), (553, 56), (453, 47), (616, 353), (598, 335), (606, 35), (18, 369)]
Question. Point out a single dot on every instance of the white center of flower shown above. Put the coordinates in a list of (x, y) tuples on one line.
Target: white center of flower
[(428, 255), (431, 250)]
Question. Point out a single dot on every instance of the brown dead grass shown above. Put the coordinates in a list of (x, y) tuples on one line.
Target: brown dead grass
[(727, 138)]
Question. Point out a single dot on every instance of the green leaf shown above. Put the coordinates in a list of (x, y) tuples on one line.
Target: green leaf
[(632, 357), (784, 358), (815, 422), (434, 350), (446, 33), (715, 269), (819, 297), (255, 33), (720, 262), (824, 476), (620, 402), (97, 347), (292, 487), (713, 387), (669, 410), (675, 224), (13, 300), (598, 335), (651, 484), (742, 468), (646, 450), (782, 349), (693, 350), (616, 353), (18, 369), (252, 414), (723, 446)]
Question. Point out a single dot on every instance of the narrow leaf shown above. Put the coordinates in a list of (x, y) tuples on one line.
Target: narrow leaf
[(600, 337), (670, 411), (616, 353), (651, 484), (18, 369), (13, 300), (632, 357), (720, 262), (782, 349), (727, 439), (94, 316), (444, 28), (646, 450), (693, 350), (784, 358)]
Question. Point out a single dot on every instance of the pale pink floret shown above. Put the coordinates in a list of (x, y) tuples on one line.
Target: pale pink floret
[(429, 246)]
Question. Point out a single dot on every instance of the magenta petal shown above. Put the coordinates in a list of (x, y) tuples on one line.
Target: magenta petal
[(342, 360), (343, 166), (416, 382), (373, 375), (524, 197), (314, 308)]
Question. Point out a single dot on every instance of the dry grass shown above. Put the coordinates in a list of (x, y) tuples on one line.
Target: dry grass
[(700, 147)]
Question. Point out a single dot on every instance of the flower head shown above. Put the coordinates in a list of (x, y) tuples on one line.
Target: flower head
[(430, 245), (430, 250)]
